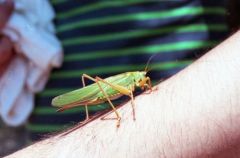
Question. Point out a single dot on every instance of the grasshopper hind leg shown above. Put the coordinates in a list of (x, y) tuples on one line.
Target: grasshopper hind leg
[(86, 105), (105, 94), (133, 106), (87, 113)]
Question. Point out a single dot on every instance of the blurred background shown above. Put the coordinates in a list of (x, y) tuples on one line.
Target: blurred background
[(98, 38)]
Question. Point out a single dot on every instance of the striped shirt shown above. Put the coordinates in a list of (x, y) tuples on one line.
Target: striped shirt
[(105, 38)]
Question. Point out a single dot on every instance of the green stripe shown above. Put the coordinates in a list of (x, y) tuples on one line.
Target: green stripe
[(41, 110), (51, 92), (143, 33), (96, 6), (46, 128), (56, 2), (118, 69), (150, 49), (54, 92), (142, 16)]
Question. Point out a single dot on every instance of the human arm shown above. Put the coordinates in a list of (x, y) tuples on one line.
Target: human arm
[(195, 113)]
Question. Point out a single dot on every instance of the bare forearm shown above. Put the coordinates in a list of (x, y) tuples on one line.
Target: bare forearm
[(193, 114)]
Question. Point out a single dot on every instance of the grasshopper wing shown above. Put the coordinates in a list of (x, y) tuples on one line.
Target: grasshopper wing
[(77, 96)]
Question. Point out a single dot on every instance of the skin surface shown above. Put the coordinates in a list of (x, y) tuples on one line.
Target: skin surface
[(194, 114)]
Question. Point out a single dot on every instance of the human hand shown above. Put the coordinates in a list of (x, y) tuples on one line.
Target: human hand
[(6, 46)]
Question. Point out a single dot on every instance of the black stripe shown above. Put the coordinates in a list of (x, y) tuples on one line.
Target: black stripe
[(142, 41), (133, 59), (70, 4), (124, 10)]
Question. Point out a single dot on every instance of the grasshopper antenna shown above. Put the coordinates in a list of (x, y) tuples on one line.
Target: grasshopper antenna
[(148, 62)]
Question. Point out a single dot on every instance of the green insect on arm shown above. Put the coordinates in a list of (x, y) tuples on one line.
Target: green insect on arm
[(101, 91)]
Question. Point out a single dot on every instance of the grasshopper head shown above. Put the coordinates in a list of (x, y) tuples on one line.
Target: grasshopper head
[(141, 80)]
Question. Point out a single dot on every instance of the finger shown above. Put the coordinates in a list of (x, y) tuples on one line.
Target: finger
[(6, 53), (6, 49), (6, 8)]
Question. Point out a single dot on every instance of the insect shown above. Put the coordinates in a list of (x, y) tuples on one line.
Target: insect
[(104, 90)]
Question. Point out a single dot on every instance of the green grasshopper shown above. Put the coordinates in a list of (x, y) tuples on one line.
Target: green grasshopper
[(104, 90)]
